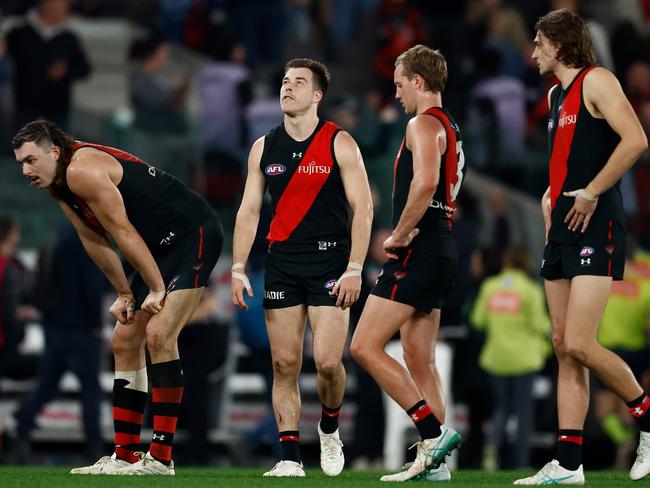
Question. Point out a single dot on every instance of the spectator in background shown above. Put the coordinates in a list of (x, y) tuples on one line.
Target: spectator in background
[(13, 364), (510, 309), (497, 114), (224, 91), (48, 59), (71, 290), (159, 102)]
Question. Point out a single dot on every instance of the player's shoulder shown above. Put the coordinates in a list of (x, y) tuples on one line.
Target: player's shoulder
[(600, 77)]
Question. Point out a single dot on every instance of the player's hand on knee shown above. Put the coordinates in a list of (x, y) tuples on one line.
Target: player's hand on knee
[(154, 302), (238, 283), (123, 308)]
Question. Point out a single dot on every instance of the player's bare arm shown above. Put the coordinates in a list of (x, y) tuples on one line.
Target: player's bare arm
[(604, 98), (357, 192), (248, 217), (101, 251), (426, 151), (88, 177)]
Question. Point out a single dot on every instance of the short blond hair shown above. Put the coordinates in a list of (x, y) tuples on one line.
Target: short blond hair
[(430, 64)]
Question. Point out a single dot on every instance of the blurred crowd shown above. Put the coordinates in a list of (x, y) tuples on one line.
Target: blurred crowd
[(496, 318)]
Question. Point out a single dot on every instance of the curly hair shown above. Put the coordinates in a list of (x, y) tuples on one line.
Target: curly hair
[(568, 31)]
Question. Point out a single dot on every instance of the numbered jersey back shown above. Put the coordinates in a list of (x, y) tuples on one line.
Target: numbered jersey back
[(438, 217)]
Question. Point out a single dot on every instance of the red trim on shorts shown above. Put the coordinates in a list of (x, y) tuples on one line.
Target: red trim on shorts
[(160, 451), (200, 242), (164, 423), (392, 293), (609, 230), (407, 257), (167, 395), (575, 439), (126, 415)]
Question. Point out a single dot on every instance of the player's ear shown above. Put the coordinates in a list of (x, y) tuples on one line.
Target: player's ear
[(318, 96)]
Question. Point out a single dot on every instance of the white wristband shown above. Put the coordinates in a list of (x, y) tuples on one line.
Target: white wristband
[(238, 266), (244, 279), (348, 274), (586, 195), (355, 266)]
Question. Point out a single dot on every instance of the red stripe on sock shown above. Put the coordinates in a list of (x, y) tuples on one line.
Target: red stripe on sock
[(126, 455), (641, 408), (164, 423), (161, 452), (331, 413), (421, 413), (126, 415), (167, 395), (122, 439), (284, 438), (575, 439)]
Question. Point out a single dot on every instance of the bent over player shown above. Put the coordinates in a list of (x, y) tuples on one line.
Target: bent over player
[(170, 235), (312, 170)]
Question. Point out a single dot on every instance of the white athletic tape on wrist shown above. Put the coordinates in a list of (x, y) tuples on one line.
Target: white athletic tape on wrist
[(244, 279), (348, 274), (355, 266), (238, 266), (586, 195)]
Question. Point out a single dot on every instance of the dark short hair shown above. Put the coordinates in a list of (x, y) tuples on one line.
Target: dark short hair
[(321, 73), (141, 50), (568, 30), (44, 133), (430, 64)]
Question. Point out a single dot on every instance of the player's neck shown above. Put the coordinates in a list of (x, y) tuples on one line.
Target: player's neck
[(301, 126), (427, 100), (565, 74)]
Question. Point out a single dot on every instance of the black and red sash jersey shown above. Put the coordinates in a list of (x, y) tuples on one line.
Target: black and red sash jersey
[(437, 219), (158, 205), (579, 147), (307, 195)]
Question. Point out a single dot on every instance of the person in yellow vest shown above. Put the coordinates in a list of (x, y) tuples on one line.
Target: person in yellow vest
[(510, 308), (624, 328)]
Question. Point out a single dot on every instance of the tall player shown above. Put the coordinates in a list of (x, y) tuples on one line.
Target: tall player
[(421, 266), (170, 235), (312, 170), (594, 138)]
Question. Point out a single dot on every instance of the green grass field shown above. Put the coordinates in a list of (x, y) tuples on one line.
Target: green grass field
[(26, 477)]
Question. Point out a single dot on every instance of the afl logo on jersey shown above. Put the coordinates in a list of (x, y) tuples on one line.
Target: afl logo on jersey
[(586, 251), (275, 169), (551, 123)]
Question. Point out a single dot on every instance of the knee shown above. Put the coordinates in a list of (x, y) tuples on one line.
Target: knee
[(286, 367), (559, 346), (577, 350), (359, 352), (159, 340), (328, 369), (122, 342)]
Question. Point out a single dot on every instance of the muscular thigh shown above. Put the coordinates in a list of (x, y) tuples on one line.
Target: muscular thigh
[(286, 329), (330, 328), (176, 312), (587, 301)]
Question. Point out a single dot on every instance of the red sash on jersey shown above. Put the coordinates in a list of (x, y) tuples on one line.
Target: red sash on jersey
[(303, 187), (558, 166), (118, 153), (451, 158)]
